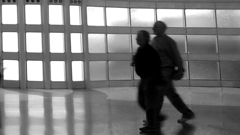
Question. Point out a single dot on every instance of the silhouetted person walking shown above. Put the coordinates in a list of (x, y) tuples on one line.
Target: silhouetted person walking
[(171, 63), (148, 67)]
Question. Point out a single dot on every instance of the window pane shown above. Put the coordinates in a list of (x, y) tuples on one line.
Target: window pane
[(95, 16), (75, 15), (120, 70), (55, 15), (98, 70), (181, 42), (77, 71), (117, 17), (12, 70), (201, 44), (229, 45), (118, 43), (56, 43), (228, 18), (34, 71), (172, 17), (97, 43), (200, 18), (33, 14), (76, 43), (10, 41), (57, 71), (230, 70), (9, 14), (34, 42), (204, 70), (142, 17)]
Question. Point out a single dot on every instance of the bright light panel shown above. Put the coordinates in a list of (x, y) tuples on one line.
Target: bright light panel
[(77, 71), (9, 14), (76, 43), (34, 42), (57, 71), (10, 41), (33, 14), (55, 15), (75, 15), (34, 71), (56, 43)]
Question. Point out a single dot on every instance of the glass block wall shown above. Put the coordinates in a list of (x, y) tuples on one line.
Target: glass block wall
[(54, 44)]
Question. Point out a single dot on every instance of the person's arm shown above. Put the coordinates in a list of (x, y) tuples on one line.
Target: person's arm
[(175, 54)]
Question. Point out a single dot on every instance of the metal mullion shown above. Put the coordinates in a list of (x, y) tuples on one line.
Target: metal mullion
[(67, 44), (86, 54), (21, 44), (1, 46), (46, 47)]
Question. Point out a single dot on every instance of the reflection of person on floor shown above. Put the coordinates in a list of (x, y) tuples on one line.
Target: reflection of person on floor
[(147, 65), (171, 60)]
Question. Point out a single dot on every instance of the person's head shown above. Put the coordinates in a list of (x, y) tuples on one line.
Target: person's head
[(143, 37), (159, 28)]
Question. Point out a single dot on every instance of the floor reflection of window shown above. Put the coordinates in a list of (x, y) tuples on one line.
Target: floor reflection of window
[(36, 130), (12, 130), (79, 114), (35, 106), (59, 107), (11, 105)]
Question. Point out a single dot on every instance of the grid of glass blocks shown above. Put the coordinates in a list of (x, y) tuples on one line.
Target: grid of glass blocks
[(118, 42)]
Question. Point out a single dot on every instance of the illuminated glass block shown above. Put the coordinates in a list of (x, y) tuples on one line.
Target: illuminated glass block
[(34, 42), (97, 43), (228, 18), (55, 15), (58, 71), (120, 70), (10, 41), (172, 17), (12, 70), (76, 43), (77, 71), (75, 15), (118, 43), (95, 16), (117, 17), (230, 70), (181, 42), (204, 70), (142, 17), (229, 44), (202, 44), (33, 14), (98, 70), (200, 18), (57, 43), (34, 70), (9, 14)]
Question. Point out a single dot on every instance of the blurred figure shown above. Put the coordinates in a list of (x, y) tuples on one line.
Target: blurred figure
[(148, 67), (172, 68)]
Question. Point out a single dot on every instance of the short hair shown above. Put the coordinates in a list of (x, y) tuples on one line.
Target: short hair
[(160, 24), (145, 34)]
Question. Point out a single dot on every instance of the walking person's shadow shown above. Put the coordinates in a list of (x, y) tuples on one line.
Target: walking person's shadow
[(187, 129)]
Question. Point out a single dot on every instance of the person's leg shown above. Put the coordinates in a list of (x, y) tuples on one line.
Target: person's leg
[(174, 97), (140, 95), (150, 96)]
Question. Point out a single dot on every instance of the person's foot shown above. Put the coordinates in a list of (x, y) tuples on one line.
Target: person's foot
[(185, 118), (149, 129)]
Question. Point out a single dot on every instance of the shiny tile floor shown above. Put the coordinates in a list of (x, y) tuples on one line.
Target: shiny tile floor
[(114, 111)]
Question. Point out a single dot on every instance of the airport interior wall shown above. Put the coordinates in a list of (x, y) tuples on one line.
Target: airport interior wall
[(72, 44)]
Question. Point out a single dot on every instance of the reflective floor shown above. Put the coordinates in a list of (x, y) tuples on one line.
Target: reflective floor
[(113, 111)]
